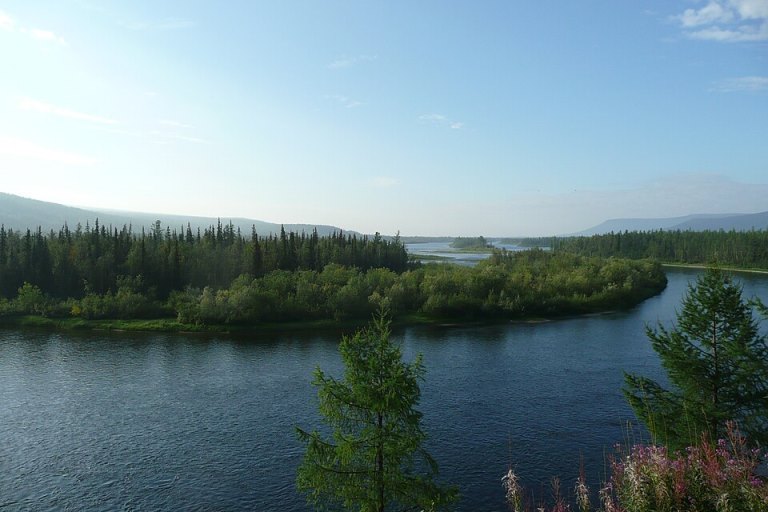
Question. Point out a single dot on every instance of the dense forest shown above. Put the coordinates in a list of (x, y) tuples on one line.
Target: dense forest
[(219, 276), (98, 259), (744, 249)]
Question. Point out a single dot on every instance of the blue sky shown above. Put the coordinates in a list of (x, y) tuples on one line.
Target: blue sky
[(430, 117)]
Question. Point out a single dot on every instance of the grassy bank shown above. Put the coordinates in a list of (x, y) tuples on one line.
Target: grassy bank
[(171, 325)]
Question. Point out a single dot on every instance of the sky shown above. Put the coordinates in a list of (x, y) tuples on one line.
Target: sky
[(457, 118)]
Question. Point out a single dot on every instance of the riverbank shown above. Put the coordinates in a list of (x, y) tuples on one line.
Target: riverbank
[(171, 325), (698, 266), (521, 286)]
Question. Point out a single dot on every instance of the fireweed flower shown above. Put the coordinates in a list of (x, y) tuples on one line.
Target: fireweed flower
[(514, 493), (719, 476)]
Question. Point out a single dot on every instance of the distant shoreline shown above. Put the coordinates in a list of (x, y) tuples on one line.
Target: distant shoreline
[(728, 269), (171, 325)]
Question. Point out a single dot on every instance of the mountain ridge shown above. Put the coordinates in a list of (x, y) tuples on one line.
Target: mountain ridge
[(22, 213), (693, 222)]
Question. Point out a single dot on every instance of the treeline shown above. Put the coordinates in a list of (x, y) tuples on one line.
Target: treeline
[(744, 249), (100, 260), (506, 286), (476, 242)]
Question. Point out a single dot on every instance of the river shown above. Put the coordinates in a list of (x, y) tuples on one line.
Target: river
[(119, 421)]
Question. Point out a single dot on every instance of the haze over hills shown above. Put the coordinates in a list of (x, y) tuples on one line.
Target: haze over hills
[(21, 213), (697, 222)]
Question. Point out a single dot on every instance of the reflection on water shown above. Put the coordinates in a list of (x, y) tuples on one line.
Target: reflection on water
[(445, 253), (101, 421)]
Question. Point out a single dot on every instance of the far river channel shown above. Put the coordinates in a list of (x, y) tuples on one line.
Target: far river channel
[(98, 421)]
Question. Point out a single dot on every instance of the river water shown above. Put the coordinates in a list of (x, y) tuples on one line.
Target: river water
[(123, 421)]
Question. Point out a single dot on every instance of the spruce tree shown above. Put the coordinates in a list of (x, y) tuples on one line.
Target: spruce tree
[(373, 460), (717, 365)]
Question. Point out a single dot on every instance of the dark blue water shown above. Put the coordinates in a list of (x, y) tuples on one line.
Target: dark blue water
[(159, 422)]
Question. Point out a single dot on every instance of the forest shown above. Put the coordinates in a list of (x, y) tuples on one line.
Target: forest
[(742, 249), (97, 259), (219, 276)]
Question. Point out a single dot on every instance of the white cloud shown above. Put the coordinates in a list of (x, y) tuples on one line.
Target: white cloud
[(729, 21), (344, 101), (744, 33), (23, 148), (9, 24), (345, 62), (440, 119), (6, 22), (751, 9), (167, 24), (46, 35), (713, 12), (47, 108), (744, 83)]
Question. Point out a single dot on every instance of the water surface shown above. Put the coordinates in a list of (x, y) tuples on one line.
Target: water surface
[(117, 421)]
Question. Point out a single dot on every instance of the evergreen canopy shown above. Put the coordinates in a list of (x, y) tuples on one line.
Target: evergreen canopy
[(717, 363), (374, 460)]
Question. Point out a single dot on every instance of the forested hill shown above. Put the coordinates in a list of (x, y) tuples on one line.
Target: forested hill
[(699, 222), (21, 213)]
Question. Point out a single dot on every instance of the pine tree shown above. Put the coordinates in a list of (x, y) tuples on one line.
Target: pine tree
[(374, 460), (717, 363)]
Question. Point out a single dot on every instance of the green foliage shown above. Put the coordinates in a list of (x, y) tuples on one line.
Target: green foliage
[(742, 249), (72, 264), (219, 277), (508, 285), (127, 303), (373, 461), (477, 242), (31, 300), (717, 363)]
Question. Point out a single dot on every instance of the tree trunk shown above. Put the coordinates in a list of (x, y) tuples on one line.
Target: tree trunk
[(380, 462)]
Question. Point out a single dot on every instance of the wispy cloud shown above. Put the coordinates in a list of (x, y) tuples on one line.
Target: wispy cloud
[(47, 108), (344, 101), (160, 25), (165, 137), (744, 83), (713, 12), (46, 35), (9, 24), (384, 182), (440, 119), (173, 130), (729, 21), (346, 62), (172, 123), (6, 22), (23, 148)]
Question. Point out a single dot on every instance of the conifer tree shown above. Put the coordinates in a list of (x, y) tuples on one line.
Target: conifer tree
[(717, 364), (374, 460)]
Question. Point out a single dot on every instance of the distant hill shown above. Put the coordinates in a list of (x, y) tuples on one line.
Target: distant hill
[(698, 222), (20, 213)]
